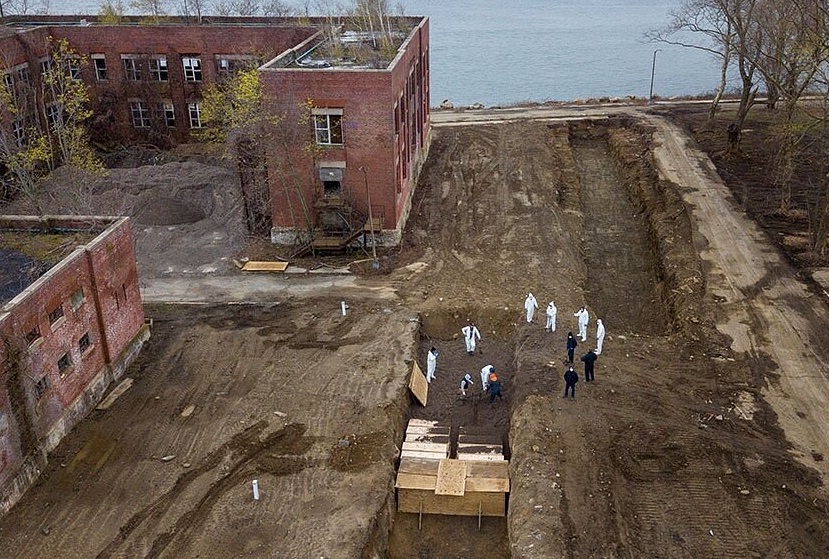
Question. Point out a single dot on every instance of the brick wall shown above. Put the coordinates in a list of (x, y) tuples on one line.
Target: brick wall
[(65, 339), (371, 137)]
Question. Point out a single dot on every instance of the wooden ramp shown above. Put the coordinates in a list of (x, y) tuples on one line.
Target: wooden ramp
[(418, 385), (429, 482)]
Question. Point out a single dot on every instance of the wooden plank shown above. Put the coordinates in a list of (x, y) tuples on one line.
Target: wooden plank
[(413, 465), (432, 430), (451, 478), (411, 500), (262, 266), (418, 385), (478, 439), (374, 224), (485, 485), (436, 456), (422, 422), (415, 438), (480, 457), (116, 393), (488, 469), (480, 448), (428, 447), (416, 481)]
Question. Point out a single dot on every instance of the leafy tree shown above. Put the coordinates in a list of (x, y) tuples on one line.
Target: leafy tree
[(233, 114), (45, 129), (111, 13)]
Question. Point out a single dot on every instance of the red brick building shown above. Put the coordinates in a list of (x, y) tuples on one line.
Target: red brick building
[(349, 131), (370, 135), (65, 338)]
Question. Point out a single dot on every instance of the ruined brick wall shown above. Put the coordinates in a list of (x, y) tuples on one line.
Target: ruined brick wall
[(65, 339)]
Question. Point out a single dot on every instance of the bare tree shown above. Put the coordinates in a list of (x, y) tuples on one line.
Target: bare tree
[(792, 53), (156, 9), (725, 29), (193, 9)]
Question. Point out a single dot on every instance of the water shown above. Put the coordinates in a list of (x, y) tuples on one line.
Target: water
[(498, 53)]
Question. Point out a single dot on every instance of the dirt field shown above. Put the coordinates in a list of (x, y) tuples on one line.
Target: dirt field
[(702, 436)]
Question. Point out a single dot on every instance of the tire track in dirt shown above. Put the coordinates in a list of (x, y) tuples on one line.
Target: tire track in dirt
[(739, 259), (237, 458)]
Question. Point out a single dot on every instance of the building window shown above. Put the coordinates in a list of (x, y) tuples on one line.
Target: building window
[(42, 386), (168, 112), (132, 68), (33, 335), (192, 69), (45, 66), (8, 79), (53, 115), (100, 62), (19, 129), (64, 365), (23, 73), (56, 314), (73, 68), (195, 115), (84, 343), (140, 114), (77, 298), (227, 64), (328, 126), (158, 69)]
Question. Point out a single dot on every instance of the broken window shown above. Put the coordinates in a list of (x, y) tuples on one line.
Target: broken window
[(100, 63), (328, 126), (64, 365), (158, 69), (192, 68), (132, 67)]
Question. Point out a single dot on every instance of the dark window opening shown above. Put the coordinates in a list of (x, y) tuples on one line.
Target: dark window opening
[(84, 343), (64, 365), (332, 189), (42, 386)]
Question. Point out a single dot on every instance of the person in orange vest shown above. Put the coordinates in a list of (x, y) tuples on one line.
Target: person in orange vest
[(494, 388)]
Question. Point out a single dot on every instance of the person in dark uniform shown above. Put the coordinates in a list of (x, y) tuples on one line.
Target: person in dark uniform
[(494, 388), (589, 359), (572, 344), (571, 377)]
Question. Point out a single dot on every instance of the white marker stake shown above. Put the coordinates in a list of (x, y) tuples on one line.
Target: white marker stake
[(256, 490), (344, 306)]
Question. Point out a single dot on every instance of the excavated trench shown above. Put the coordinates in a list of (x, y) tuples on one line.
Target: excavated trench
[(641, 270)]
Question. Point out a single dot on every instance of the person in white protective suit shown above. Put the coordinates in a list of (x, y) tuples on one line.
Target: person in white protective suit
[(485, 372), (530, 304), (431, 364), (599, 336), (551, 317), (466, 383), (584, 318), (470, 334)]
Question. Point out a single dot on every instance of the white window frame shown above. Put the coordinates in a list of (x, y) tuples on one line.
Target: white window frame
[(132, 67), (73, 67), (194, 114), (159, 72), (139, 113), (53, 115), (167, 112), (99, 61), (192, 68), (19, 131), (326, 123)]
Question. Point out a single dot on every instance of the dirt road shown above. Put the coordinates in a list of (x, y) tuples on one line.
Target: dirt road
[(702, 435)]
